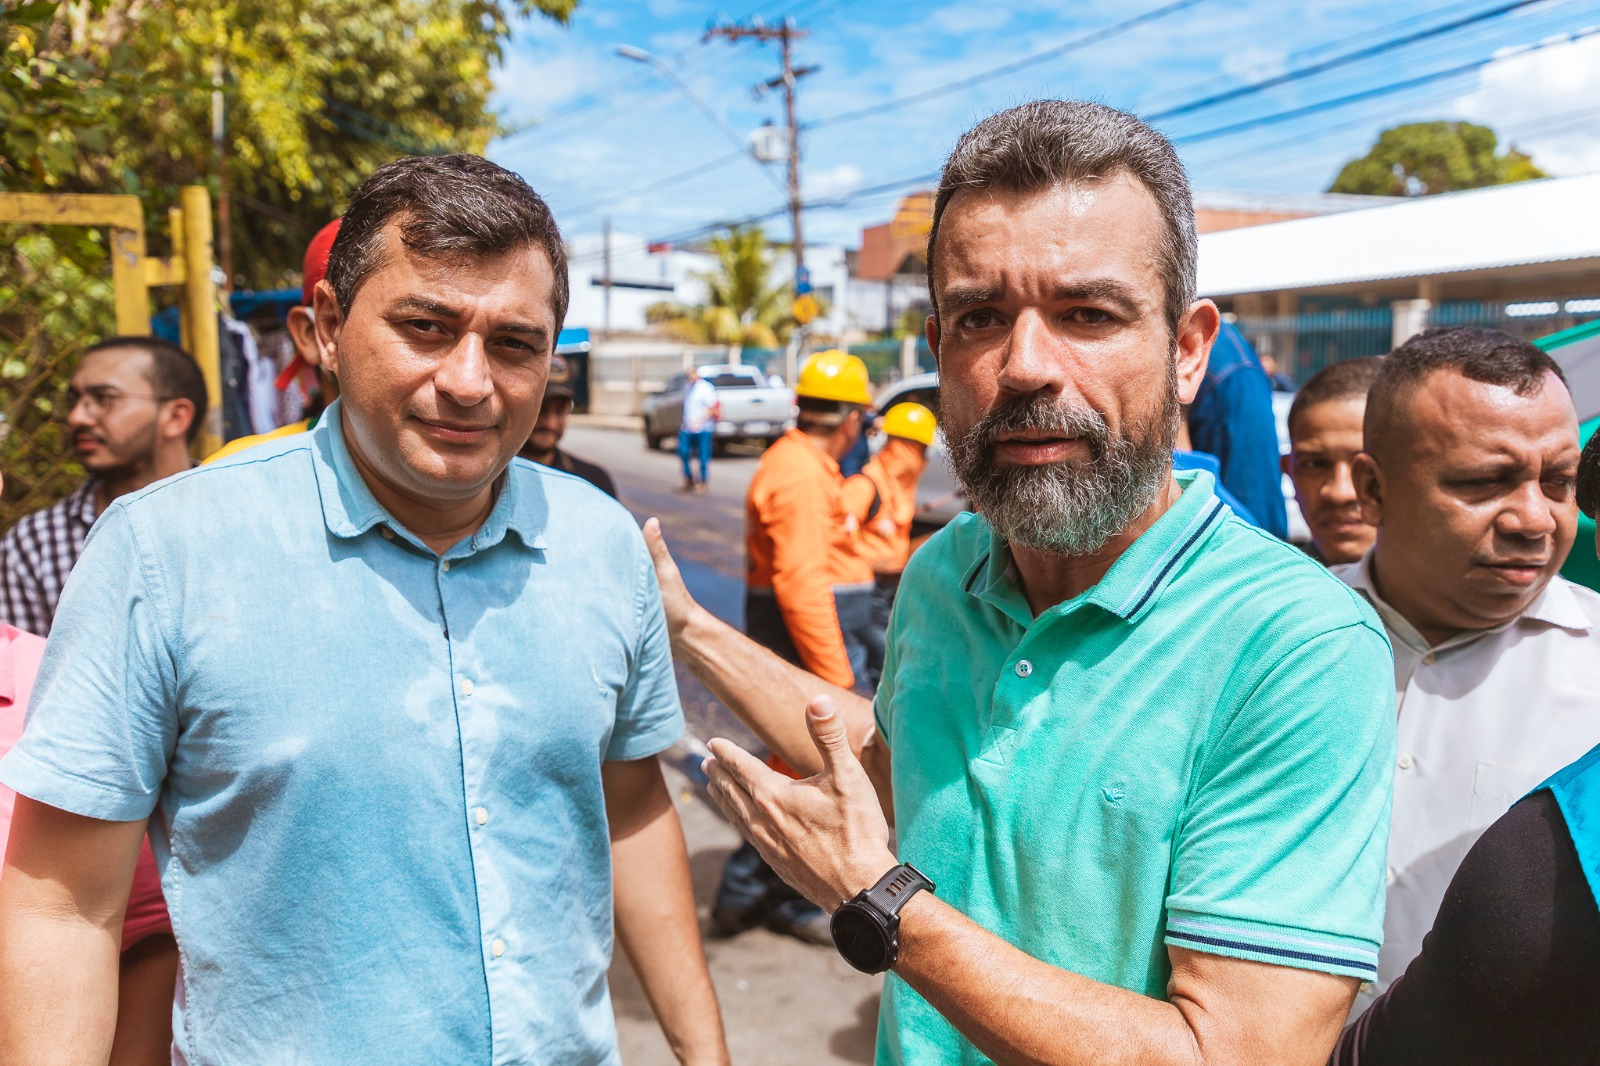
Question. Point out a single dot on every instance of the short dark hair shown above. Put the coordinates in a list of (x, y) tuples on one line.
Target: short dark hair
[(1475, 352), (1589, 478), (1339, 381), (829, 414), (446, 205), (174, 375), (1046, 143)]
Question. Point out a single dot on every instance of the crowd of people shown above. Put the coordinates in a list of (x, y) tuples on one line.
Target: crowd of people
[(1104, 771)]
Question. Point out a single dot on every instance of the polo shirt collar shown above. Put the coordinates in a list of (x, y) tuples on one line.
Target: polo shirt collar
[(350, 509), (1555, 606), (1136, 580)]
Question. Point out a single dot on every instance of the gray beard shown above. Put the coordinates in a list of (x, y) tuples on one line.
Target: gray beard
[(1073, 507)]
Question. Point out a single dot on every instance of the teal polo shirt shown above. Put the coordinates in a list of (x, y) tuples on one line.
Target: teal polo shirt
[(1197, 752)]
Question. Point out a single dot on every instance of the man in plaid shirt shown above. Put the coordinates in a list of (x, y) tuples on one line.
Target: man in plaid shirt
[(136, 405)]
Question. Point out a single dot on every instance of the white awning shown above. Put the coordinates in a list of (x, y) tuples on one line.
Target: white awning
[(1549, 221)]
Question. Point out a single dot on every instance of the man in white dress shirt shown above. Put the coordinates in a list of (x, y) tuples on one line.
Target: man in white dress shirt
[(1471, 455)]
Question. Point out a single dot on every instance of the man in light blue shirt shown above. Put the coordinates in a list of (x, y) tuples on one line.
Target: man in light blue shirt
[(389, 699)]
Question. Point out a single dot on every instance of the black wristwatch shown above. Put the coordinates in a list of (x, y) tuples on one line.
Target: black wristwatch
[(866, 929)]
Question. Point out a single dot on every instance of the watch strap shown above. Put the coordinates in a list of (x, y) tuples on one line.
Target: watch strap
[(895, 888)]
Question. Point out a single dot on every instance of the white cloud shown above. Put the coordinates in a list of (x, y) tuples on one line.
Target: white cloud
[(839, 180), (1255, 63), (1546, 102), (530, 82)]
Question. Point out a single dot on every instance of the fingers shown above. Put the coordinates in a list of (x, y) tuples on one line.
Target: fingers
[(733, 761), (734, 802), (828, 734)]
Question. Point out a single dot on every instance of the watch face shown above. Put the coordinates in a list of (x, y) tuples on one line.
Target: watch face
[(862, 941)]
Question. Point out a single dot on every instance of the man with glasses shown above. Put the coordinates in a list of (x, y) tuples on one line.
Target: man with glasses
[(135, 405)]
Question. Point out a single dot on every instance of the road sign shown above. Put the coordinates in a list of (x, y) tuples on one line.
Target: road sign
[(805, 308), (802, 280)]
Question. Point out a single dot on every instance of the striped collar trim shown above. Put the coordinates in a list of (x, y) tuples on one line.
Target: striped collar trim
[(1156, 575)]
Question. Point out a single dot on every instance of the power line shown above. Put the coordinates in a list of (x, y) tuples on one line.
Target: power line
[(1073, 45), (1338, 61), (1222, 131), (660, 183), (1368, 94), (1187, 92)]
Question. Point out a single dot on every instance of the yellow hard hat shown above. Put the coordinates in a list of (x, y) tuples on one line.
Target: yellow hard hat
[(835, 375), (911, 421)]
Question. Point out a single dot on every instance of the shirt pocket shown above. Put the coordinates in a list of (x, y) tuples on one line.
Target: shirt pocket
[(1494, 790)]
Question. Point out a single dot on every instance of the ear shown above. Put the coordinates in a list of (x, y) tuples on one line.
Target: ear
[(176, 418), (1367, 477), (1197, 331), (930, 330), (1284, 464), (329, 321), (301, 322)]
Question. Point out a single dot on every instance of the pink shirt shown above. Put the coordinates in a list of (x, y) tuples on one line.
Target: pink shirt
[(19, 661)]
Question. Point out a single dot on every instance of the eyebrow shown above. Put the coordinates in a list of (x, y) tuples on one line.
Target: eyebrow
[(967, 295), (1104, 290), (434, 307), (420, 303)]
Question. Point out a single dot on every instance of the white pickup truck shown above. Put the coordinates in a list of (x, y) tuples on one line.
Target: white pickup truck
[(752, 410)]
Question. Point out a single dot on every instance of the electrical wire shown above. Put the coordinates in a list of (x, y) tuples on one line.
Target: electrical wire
[(1347, 58), (1368, 94), (1075, 44)]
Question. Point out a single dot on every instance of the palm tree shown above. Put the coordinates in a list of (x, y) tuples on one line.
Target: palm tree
[(743, 305)]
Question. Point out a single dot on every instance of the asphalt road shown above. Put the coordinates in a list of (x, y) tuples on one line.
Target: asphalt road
[(784, 1003)]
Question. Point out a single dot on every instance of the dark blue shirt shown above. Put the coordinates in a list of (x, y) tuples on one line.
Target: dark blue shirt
[(1231, 418)]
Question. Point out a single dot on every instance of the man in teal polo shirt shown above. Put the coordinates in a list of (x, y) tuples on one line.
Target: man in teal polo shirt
[(388, 698), (1141, 750)]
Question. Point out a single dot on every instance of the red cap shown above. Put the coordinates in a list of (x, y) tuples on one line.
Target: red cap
[(316, 265)]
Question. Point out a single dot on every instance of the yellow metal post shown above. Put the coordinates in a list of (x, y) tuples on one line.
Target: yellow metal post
[(200, 309)]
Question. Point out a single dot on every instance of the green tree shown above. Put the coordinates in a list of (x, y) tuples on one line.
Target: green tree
[(116, 96), (743, 304), (1420, 158)]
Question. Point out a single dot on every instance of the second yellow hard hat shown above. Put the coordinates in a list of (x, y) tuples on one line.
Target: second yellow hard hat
[(911, 421)]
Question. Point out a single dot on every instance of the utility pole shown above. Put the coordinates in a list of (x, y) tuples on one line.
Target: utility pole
[(785, 35), (219, 141), (605, 315)]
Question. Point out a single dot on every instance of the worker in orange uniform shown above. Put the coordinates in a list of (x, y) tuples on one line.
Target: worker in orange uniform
[(808, 596), (883, 500)]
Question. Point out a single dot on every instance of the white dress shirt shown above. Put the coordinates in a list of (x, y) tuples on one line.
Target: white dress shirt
[(1485, 717)]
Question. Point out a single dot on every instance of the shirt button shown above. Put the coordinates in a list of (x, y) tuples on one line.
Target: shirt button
[(1024, 668), (466, 686), (481, 815), (386, 533), (498, 948), (445, 566), (1429, 659), (1390, 876), (1405, 762)]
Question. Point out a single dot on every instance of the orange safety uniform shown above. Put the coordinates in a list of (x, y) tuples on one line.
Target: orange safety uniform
[(890, 480), (799, 545)]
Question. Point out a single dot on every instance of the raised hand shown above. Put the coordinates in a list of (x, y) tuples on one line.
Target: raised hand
[(825, 835)]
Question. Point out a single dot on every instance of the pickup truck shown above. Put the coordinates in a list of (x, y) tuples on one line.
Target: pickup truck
[(752, 410)]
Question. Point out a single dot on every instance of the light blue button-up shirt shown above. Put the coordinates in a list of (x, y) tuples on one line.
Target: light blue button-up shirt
[(375, 771)]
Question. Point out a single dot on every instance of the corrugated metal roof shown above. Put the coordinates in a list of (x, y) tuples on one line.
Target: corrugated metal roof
[(1548, 221)]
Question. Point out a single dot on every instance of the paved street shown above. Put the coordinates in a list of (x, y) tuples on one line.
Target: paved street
[(784, 1003)]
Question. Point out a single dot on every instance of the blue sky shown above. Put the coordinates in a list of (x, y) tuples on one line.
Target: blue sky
[(600, 128)]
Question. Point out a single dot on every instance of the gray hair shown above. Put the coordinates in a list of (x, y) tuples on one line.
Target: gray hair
[(448, 207), (1046, 143)]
